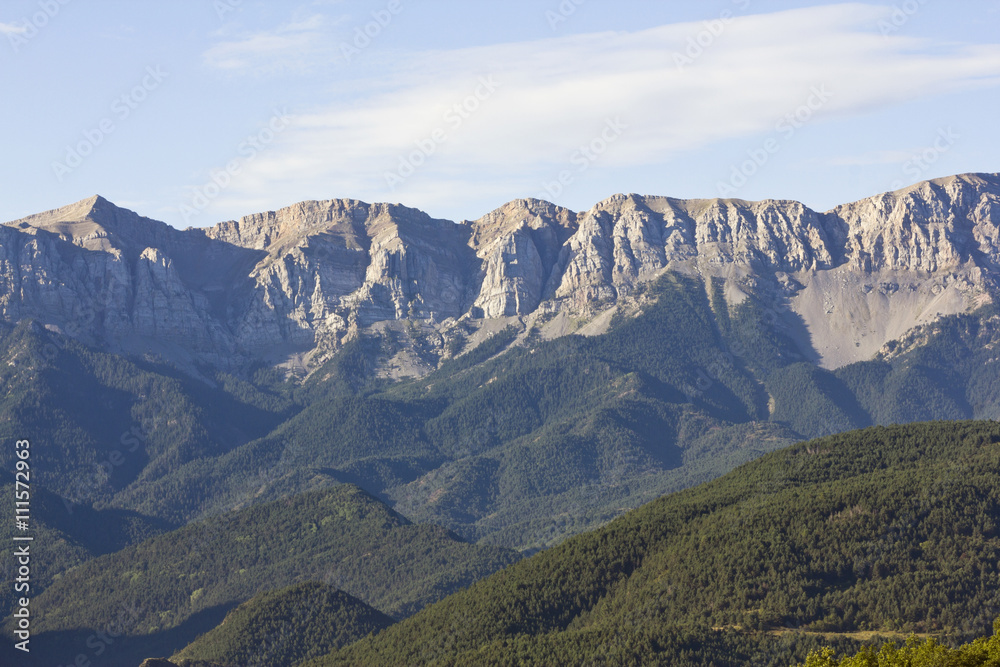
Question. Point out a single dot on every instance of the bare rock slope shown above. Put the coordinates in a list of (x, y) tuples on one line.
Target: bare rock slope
[(299, 282)]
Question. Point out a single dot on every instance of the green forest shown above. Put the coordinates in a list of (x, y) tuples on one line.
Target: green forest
[(983, 652), (164, 591), (286, 627), (878, 532)]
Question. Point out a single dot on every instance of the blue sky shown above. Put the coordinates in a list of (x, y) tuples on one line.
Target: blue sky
[(196, 111)]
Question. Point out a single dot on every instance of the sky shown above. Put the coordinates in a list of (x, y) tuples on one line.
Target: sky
[(199, 111)]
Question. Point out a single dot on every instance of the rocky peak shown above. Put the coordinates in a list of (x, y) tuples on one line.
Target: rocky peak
[(535, 214), (930, 226), (97, 224), (300, 280), (518, 246), (285, 228)]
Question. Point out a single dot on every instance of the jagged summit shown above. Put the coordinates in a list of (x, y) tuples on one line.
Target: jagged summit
[(297, 282)]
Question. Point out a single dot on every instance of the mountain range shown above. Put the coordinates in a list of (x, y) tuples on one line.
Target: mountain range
[(512, 381), (517, 378), (292, 286)]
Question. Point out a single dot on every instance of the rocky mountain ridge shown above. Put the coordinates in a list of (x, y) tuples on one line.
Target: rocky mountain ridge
[(298, 282)]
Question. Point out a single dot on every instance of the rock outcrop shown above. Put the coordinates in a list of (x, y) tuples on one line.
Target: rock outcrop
[(302, 280)]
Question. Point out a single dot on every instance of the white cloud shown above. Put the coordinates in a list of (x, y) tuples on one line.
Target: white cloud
[(556, 94), (12, 29), (293, 46)]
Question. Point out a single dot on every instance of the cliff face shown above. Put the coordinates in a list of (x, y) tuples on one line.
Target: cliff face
[(931, 226), (628, 239), (518, 247), (331, 267), (300, 280)]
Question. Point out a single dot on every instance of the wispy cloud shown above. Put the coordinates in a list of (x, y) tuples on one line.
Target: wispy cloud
[(294, 46), (12, 29), (555, 95)]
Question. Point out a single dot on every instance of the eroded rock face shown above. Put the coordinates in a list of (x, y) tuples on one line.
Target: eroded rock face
[(628, 239), (303, 279), (518, 247), (932, 226), (335, 265)]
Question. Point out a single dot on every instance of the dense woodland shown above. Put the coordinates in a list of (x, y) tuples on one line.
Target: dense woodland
[(885, 530), (983, 652), (168, 589), (286, 627)]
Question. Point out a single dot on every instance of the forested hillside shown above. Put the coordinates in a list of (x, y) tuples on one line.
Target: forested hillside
[(286, 627), (101, 423), (880, 531), (72, 535), (982, 652), (165, 591), (520, 442), (498, 442)]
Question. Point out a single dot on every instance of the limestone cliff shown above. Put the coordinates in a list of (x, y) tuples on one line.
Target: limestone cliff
[(299, 281)]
